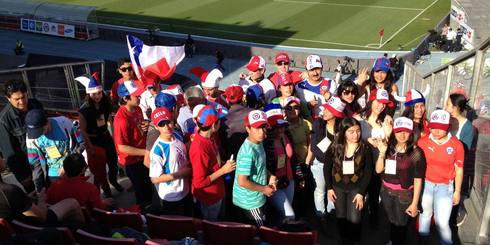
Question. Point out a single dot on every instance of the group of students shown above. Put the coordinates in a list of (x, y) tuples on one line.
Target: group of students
[(230, 152)]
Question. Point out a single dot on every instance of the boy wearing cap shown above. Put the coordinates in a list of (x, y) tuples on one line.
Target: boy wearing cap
[(193, 96), (282, 63), (207, 166), (147, 99), (126, 71), (169, 167), (315, 90), (49, 141), (250, 187), (444, 175), (129, 138), (256, 68)]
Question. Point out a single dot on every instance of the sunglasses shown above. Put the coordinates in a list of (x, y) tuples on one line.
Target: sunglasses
[(290, 108), (125, 69), (347, 92), (282, 63)]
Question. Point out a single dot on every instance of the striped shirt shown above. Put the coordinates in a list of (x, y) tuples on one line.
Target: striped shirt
[(250, 162)]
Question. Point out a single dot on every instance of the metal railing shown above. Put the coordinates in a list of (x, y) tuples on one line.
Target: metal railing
[(468, 74)]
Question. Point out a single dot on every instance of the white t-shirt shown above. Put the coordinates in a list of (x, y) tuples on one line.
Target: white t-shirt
[(147, 100), (166, 158), (267, 86)]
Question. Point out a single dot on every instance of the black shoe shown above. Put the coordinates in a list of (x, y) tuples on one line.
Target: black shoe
[(461, 217), (117, 186)]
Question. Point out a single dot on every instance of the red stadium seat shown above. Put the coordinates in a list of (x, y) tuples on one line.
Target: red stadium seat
[(172, 227), (282, 237), (228, 233), (118, 220), (22, 228), (6, 230), (85, 238)]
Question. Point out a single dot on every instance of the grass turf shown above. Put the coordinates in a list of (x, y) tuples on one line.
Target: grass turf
[(338, 24)]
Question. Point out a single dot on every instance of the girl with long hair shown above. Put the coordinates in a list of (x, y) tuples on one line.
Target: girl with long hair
[(414, 102), (349, 93)]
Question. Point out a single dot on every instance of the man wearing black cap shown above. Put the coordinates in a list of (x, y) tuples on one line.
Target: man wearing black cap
[(49, 141), (13, 131)]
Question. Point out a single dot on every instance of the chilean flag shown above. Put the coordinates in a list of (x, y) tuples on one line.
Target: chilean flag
[(153, 62)]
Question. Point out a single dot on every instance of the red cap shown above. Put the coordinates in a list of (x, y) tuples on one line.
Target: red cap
[(281, 57), (255, 63), (381, 95), (161, 114), (234, 93)]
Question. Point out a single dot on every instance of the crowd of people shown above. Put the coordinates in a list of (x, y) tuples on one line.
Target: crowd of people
[(244, 153)]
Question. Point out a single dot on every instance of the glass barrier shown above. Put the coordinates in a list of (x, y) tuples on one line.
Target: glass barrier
[(462, 77)]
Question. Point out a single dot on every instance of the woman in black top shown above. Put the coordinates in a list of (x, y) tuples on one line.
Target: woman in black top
[(347, 172), (94, 115)]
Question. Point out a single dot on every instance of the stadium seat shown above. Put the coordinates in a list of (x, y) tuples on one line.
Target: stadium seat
[(6, 230), (118, 220), (228, 233), (22, 228), (85, 238), (282, 237), (172, 227)]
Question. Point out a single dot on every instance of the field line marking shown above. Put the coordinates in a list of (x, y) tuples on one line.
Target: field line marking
[(348, 5), (243, 33), (410, 22), (405, 44)]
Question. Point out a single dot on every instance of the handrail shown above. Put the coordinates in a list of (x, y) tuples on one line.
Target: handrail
[(20, 69), (458, 60)]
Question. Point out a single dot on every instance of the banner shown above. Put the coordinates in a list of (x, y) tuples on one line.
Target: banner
[(457, 14), (48, 28), (468, 33)]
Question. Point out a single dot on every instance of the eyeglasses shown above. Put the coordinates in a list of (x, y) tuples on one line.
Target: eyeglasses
[(347, 92), (125, 69), (280, 63), (290, 108)]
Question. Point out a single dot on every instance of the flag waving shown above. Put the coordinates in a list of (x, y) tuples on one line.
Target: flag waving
[(153, 62), (381, 32)]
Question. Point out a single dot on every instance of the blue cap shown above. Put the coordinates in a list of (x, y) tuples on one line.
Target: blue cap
[(165, 100), (381, 64), (254, 95), (35, 121)]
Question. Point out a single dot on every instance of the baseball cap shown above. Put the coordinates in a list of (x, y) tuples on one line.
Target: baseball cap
[(256, 119), (91, 84), (439, 119), (381, 95), (381, 64), (284, 79), (176, 90), (165, 99), (255, 63), (403, 124), (206, 115), (313, 61), (274, 114), (161, 114), (209, 79), (281, 57), (255, 95), (35, 121), (290, 99), (129, 87), (234, 93), (335, 106)]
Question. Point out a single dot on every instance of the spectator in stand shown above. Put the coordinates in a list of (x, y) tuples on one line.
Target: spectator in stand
[(444, 155), (126, 71), (444, 31), (402, 173), (376, 125), (281, 162), (251, 188), (380, 77), (451, 36), (415, 110), (324, 131), (286, 90), (147, 99), (282, 63), (169, 167), (190, 46), (75, 185), (457, 40), (130, 138), (348, 169), (256, 68), (208, 168), (315, 89), (93, 117), (13, 131), (299, 128), (348, 92), (49, 141), (210, 84), (193, 96)]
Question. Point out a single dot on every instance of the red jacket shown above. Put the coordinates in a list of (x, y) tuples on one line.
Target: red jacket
[(87, 194)]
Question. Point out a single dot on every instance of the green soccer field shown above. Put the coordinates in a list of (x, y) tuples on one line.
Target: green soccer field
[(337, 24)]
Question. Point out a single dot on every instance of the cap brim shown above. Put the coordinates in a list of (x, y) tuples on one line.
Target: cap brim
[(335, 112), (138, 92), (34, 133), (252, 68), (441, 126), (258, 124), (389, 103), (397, 130), (160, 121)]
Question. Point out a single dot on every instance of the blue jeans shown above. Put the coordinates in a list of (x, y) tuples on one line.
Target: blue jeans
[(319, 192), (211, 212), (437, 199), (283, 201)]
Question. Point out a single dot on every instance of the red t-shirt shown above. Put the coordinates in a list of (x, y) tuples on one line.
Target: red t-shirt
[(295, 76), (127, 131), (204, 161), (87, 194), (442, 159)]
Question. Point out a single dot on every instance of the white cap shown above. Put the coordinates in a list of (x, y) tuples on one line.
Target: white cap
[(402, 124), (313, 61)]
